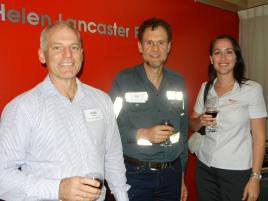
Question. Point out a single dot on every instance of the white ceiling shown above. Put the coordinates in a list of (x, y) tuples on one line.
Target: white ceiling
[(234, 5)]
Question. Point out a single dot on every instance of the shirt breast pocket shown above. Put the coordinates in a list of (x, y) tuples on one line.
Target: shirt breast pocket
[(96, 130), (176, 106), (140, 114), (235, 113)]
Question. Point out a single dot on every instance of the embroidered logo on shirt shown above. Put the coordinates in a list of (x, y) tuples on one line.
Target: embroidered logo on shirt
[(232, 101)]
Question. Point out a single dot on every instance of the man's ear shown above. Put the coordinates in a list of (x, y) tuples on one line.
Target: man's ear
[(140, 47), (169, 46), (41, 56)]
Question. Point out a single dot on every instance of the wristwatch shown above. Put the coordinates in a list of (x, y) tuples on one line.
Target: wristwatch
[(256, 175)]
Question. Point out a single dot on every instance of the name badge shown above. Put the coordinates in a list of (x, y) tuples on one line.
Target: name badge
[(93, 114), (136, 97)]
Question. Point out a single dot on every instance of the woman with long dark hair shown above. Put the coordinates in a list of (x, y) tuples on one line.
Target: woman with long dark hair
[(230, 158)]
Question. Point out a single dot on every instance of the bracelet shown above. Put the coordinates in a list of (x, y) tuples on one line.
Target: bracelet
[(256, 175)]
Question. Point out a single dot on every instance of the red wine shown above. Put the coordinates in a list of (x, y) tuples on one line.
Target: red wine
[(212, 113)]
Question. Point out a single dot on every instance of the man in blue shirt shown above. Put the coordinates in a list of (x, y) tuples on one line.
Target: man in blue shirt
[(150, 102)]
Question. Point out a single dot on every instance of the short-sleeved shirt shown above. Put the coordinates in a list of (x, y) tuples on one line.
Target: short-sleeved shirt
[(144, 106), (230, 147)]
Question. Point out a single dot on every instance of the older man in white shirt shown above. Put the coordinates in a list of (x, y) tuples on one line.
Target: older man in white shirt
[(55, 134)]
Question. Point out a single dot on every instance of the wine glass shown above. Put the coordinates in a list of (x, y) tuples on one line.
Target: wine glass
[(211, 108), (167, 142), (96, 176)]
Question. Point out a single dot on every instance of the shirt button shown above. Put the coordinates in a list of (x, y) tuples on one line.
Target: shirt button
[(158, 110)]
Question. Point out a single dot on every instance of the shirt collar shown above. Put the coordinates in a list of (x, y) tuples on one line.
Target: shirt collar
[(235, 88), (50, 90), (142, 73)]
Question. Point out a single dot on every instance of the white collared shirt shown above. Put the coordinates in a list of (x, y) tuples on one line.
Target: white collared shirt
[(51, 138), (230, 147)]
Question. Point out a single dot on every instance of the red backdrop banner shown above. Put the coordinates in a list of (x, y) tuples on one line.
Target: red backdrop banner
[(108, 30)]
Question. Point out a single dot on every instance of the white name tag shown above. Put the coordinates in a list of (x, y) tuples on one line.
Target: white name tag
[(93, 114), (136, 97)]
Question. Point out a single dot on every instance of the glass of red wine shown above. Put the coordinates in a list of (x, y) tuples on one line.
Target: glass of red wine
[(211, 108), (167, 142)]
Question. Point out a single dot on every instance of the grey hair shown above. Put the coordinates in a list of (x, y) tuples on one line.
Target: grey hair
[(43, 35)]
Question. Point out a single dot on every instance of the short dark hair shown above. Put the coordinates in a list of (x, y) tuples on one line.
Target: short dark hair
[(239, 69), (44, 33), (154, 23)]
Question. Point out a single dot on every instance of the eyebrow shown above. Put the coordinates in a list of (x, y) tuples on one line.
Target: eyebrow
[(59, 43), (229, 48)]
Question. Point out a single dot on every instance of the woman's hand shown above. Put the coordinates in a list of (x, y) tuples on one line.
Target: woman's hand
[(251, 190), (207, 120)]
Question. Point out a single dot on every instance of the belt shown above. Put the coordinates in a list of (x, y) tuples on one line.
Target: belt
[(149, 164)]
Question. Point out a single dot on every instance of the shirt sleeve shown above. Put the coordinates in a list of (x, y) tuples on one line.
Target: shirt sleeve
[(114, 162), (184, 132), (199, 103), (121, 196), (257, 108), (127, 131), (15, 183)]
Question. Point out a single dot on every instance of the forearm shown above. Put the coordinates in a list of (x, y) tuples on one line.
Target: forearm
[(115, 171), (182, 177), (184, 138), (252, 187), (128, 134), (116, 178), (16, 185), (142, 133), (184, 157), (258, 153), (121, 196), (258, 146), (195, 123)]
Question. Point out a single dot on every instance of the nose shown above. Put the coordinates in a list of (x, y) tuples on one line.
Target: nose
[(155, 46), (223, 56), (67, 52)]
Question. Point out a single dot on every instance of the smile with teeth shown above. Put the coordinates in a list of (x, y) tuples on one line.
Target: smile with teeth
[(221, 64), (67, 64), (155, 56)]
